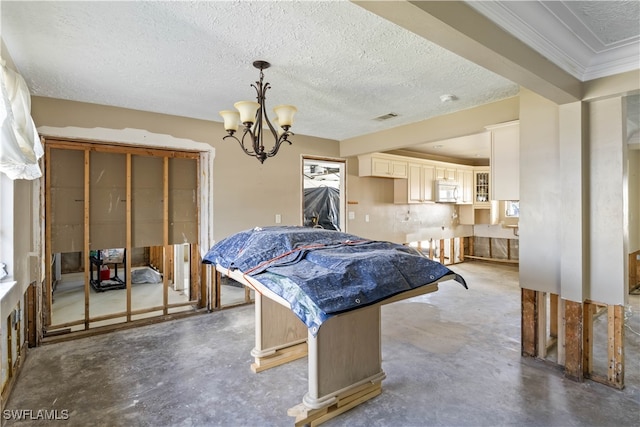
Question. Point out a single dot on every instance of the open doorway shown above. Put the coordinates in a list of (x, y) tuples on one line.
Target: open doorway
[(323, 193)]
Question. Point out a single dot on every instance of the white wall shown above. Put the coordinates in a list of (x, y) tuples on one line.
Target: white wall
[(540, 197), (608, 225), (634, 200)]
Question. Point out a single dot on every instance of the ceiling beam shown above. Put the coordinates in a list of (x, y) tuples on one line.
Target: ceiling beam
[(457, 27), (460, 123)]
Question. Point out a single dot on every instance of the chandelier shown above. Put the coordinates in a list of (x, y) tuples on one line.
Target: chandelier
[(253, 117)]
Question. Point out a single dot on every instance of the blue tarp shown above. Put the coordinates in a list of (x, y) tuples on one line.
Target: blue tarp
[(324, 272)]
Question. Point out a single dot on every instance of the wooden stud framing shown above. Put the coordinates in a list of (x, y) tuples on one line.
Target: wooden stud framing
[(32, 336), (553, 321), (615, 346), (127, 263), (452, 251), (165, 235), (574, 340), (48, 279), (441, 251), (161, 257), (541, 302), (462, 240), (529, 327), (87, 262), (217, 287), (634, 269)]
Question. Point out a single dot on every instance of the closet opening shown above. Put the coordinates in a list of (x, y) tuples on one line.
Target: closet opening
[(121, 236)]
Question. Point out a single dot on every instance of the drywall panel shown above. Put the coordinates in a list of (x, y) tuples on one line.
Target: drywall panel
[(183, 201), (574, 240), (608, 225), (67, 200), (107, 207), (540, 194), (634, 200), (147, 205)]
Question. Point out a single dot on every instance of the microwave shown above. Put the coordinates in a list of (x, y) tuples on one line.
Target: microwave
[(446, 191)]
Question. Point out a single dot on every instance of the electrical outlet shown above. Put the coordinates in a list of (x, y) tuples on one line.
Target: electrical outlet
[(278, 218), (366, 218)]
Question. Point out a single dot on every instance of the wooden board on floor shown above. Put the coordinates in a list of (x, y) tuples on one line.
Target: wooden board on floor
[(305, 416)]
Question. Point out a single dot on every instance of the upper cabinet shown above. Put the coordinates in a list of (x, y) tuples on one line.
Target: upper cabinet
[(382, 165), (446, 173), (481, 187), (418, 187), (465, 185), (505, 161)]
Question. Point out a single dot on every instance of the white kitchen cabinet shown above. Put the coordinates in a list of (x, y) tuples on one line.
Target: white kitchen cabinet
[(465, 186), (446, 173), (418, 187), (505, 161), (383, 166), (481, 187)]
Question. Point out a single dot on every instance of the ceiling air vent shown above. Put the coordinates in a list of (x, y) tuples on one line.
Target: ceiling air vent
[(386, 117)]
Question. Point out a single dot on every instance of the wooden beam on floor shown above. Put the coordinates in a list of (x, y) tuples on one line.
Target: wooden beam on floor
[(482, 258), (280, 357), (305, 416)]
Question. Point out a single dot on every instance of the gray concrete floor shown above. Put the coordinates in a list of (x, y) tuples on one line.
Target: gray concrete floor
[(452, 358)]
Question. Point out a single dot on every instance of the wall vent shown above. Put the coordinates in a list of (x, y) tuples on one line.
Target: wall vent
[(386, 117)]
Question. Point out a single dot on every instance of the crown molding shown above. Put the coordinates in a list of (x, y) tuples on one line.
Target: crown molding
[(551, 29)]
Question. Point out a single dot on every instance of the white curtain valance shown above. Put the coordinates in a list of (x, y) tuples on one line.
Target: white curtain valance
[(20, 146)]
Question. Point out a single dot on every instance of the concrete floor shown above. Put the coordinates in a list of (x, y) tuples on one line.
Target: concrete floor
[(452, 358)]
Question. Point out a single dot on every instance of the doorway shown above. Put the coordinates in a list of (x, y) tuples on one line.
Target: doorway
[(323, 193)]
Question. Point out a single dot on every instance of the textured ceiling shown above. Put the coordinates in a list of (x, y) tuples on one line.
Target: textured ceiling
[(341, 65)]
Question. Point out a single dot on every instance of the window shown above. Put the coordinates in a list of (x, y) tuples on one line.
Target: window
[(512, 208)]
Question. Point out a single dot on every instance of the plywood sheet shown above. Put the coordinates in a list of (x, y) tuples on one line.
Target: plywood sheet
[(67, 200), (147, 208), (107, 207), (183, 201)]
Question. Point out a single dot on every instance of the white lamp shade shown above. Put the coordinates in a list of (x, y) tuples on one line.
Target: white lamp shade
[(285, 114), (276, 124), (247, 110), (231, 119)]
